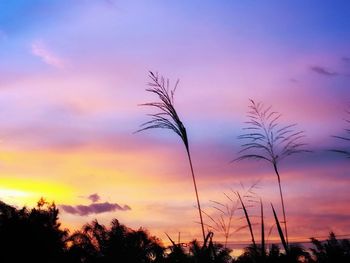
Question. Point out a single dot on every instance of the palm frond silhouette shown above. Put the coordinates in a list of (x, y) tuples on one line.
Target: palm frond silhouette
[(167, 118)]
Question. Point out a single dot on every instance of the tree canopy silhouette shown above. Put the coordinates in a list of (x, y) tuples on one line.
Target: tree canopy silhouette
[(31, 235)]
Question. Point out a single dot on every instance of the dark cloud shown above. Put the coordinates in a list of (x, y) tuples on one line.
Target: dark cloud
[(95, 208), (293, 80), (94, 198), (110, 3), (323, 71), (346, 59)]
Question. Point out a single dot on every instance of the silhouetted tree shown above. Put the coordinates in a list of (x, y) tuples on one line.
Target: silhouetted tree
[(81, 249), (31, 235), (133, 246), (177, 253), (209, 252), (296, 254), (331, 250), (96, 243)]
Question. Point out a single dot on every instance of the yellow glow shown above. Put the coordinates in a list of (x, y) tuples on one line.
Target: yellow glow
[(12, 193), (29, 191), (69, 176)]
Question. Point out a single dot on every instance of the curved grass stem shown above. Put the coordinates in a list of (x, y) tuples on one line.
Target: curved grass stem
[(282, 202), (196, 191)]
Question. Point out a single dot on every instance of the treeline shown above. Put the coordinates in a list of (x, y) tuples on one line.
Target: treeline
[(35, 235)]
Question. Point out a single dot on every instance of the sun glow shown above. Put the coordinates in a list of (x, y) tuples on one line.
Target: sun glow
[(28, 191)]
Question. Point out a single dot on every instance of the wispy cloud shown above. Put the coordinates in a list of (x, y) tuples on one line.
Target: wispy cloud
[(3, 35), (346, 60), (323, 71), (94, 198), (40, 49), (95, 208)]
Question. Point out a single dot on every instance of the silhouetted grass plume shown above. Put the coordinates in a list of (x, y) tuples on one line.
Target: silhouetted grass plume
[(345, 138), (222, 217), (266, 139), (223, 222), (167, 118)]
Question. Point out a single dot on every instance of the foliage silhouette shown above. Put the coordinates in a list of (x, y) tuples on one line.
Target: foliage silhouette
[(211, 253), (31, 235), (332, 250), (268, 140), (167, 118), (35, 235), (274, 255), (116, 244), (177, 253)]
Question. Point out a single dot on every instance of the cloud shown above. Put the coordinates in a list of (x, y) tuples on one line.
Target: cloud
[(346, 59), (39, 49), (3, 35), (94, 198), (323, 71), (95, 208), (110, 3)]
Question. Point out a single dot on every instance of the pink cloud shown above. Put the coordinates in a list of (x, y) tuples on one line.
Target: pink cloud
[(40, 49), (95, 208)]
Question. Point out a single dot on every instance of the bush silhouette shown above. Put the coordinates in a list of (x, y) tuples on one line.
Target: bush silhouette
[(96, 243), (332, 250)]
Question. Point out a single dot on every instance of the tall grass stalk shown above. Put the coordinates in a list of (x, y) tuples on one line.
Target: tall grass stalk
[(267, 140), (167, 118)]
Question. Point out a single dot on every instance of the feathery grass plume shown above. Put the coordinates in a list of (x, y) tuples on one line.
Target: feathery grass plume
[(345, 138), (167, 118), (221, 220), (268, 140)]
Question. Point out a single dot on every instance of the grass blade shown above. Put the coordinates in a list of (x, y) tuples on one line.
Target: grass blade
[(248, 220), (262, 229), (280, 232)]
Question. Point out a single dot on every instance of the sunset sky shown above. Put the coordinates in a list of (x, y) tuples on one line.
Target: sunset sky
[(72, 74)]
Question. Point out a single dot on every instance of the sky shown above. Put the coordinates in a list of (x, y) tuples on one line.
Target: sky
[(72, 77)]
